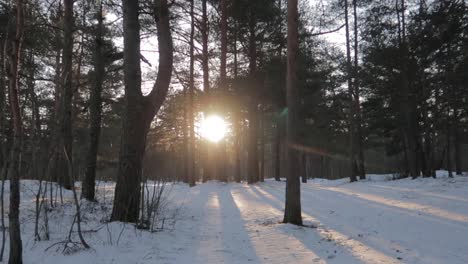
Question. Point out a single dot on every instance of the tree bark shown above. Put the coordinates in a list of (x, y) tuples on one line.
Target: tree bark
[(357, 103), (352, 108), (222, 172), (55, 116), (66, 136), (406, 114), (262, 148), (253, 173), (3, 87), (277, 157), (140, 110), (458, 150), (208, 166), (292, 211), (449, 148), (95, 109), (185, 133), (237, 119), (13, 171), (303, 169), (191, 164)]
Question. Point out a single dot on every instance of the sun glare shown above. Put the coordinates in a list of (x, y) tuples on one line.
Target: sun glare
[(213, 128)]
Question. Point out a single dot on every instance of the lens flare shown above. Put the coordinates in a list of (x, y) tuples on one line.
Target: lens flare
[(213, 128)]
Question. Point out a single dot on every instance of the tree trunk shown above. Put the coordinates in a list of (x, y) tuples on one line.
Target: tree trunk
[(55, 116), (292, 211), (3, 87), (352, 108), (208, 166), (66, 136), (13, 171), (357, 103), (253, 175), (458, 150), (185, 132), (95, 109), (449, 149), (303, 169), (406, 114), (237, 119), (277, 157), (262, 148), (222, 169), (140, 110), (191, 164)]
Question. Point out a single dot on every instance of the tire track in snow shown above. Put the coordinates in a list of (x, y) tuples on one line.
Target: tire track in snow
[(364, 253)]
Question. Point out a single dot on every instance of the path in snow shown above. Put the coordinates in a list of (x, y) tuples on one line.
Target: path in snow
[(372, 222), (356, 223)]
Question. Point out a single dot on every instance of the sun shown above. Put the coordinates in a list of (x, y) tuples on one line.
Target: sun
[(213, 128)]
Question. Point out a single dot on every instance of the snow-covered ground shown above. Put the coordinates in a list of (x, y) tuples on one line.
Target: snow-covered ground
[(374, 221)]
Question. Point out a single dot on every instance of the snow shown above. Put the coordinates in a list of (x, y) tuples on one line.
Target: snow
[(372, 221)]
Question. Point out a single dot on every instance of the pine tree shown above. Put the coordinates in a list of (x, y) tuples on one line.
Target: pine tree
[(140, 110), (292, 211)]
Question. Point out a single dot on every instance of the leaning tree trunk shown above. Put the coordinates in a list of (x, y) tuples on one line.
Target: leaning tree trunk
[(13, 171), (292, 211), (140, 110), (95, 110)]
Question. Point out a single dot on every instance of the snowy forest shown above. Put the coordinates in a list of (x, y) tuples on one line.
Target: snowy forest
[(234, 131)]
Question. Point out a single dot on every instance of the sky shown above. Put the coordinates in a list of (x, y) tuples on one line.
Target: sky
[(149, 45)]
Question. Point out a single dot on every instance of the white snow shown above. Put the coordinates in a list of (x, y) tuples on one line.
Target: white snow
[(373, 221)]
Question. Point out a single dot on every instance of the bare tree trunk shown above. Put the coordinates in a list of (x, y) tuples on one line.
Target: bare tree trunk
[(292, 211), (13, 171), (185, 133), (253, 175), (407, 115), (458, 150), (2, 209), (140, 110), (208, 166), (54, 120), (352, 108), (191, 170), (3, 88), (222, 172), (237, 120), (95, 110), (303, 170), (66, 136), (449, 148), (357, 103), (277, 158), (262, 148)]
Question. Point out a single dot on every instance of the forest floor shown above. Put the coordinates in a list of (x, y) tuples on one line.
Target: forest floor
[(373, 221)]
